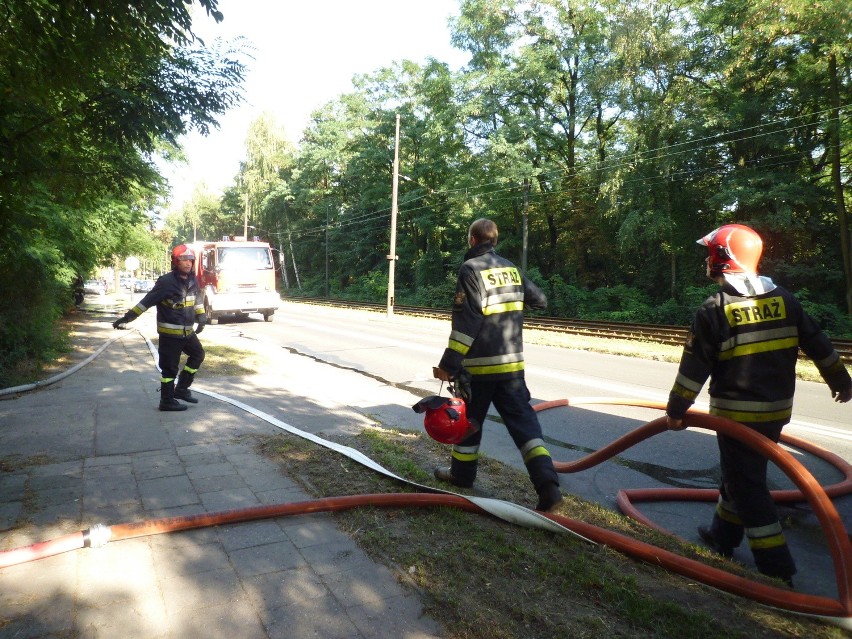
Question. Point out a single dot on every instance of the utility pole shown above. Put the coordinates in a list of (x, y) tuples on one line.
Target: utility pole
[(392, 256), (326, 251), (525, 226), (245, 218)]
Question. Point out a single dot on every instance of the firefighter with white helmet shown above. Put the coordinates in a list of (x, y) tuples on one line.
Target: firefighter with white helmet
[(179, 306), (746, 339)]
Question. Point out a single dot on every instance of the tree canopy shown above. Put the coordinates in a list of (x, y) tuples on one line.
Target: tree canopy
[(603, 137), (90, 93)]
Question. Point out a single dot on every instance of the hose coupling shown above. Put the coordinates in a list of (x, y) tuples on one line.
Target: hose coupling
[(97, 536)]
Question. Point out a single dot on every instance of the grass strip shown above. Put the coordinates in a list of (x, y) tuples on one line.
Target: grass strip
[(484, 578)]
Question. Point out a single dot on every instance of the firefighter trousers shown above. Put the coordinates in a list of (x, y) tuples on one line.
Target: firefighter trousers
[(511, 398), (746, 507), (170, 350)]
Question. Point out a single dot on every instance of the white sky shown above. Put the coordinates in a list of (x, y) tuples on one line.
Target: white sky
[(306, 53)]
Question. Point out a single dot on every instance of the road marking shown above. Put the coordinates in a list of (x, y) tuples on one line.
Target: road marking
[(622, 390), (618, 390)]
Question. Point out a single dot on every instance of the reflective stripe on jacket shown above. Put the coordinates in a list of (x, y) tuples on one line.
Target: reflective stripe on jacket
[(488, 315), (748, 347), (179, 304)]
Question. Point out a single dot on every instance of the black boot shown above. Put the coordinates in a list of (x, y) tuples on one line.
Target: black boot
[(167, 397), (725, 532), (546, 482), (549, 498), (713, 544), (774, 562), (445, 473), (182, 391)]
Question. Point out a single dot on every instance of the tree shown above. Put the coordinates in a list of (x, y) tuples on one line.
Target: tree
[(88, 93), (268, 154), (539, 71), (199, 218), (772, 78), (604, 138)]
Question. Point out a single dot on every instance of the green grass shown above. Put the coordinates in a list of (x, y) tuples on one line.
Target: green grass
[(226, 361), (485, 578), (805, 369)]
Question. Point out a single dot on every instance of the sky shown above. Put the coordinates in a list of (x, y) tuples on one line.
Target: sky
[(306, 53)]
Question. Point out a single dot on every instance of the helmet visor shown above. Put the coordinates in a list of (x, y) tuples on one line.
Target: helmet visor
[(430, 403)]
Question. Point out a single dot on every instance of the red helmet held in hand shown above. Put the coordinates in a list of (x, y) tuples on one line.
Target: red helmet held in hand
[(446, 418), (182, 252), (733, 248)]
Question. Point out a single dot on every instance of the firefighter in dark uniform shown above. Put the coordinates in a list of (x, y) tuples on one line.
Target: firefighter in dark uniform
[(179, 306), (746, 339), (486, 345)]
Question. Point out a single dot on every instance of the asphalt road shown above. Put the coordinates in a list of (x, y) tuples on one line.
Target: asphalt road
[(401, 351)]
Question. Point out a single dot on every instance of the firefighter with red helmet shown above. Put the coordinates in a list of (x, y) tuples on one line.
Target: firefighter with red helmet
[(486, 341), (179, 306), (746, 339)]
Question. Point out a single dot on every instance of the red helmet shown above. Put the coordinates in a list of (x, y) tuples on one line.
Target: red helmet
[(732, 248), (182, 252), (446, 418)]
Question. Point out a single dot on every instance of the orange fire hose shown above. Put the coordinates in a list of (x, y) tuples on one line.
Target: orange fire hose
[(837, 611), (100, 535), (805, 604), (810, 490)]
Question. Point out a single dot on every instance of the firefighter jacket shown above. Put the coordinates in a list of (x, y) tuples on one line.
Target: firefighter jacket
[(488, 316), (179, 305), (748, 347)]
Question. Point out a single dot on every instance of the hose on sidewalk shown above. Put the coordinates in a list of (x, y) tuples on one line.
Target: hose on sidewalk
[(835, 611), (60, 376)]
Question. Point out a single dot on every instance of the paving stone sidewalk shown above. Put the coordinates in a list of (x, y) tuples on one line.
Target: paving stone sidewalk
[(93, 448)]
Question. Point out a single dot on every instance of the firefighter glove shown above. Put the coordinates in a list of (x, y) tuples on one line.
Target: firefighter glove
[(200, 327), (121, 322), (461, 385)]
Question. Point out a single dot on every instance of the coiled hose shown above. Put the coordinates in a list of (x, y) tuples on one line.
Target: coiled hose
[(837, 611)]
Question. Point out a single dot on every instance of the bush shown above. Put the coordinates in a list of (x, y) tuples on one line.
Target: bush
[(672, 313), (564, 300), (618, 304), (830, 318), (435, 296), (370, 287), (28, 329)]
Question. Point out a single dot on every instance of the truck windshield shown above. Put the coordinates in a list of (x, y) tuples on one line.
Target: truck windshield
[(255, 257)]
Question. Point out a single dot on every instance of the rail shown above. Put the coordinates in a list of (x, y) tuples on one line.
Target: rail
[(657, 333)]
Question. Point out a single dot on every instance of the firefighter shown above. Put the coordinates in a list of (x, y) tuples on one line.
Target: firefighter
[(179, 307), (486, 345), (746, 339)]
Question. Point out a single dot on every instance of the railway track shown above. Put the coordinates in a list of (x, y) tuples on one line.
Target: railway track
[(657, 333)]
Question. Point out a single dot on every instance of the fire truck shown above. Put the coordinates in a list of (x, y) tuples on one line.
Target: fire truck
[(237, 277)]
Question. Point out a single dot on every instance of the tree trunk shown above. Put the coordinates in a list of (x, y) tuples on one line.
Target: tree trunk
[(836, 180), (674, 276), (293, 256), (282, 259)]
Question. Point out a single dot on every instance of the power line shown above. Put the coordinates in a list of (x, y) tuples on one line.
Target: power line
[(656, 154)]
